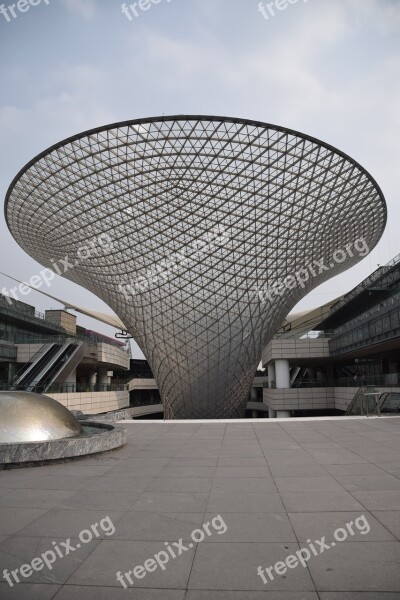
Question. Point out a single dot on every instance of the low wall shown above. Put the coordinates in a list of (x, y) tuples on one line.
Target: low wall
[(91, 403)]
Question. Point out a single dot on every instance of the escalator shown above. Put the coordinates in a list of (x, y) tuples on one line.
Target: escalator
[(365, 403), (390, 403), (28, 372), (53, 363)]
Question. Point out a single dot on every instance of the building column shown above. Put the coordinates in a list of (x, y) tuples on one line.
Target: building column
[(282, 382), (271, 375), (92, 379), (271, 384), (282, 374), (283, 414), (11, 372), (102, 377)]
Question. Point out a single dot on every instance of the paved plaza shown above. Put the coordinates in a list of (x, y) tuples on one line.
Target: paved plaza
[(274, 485)]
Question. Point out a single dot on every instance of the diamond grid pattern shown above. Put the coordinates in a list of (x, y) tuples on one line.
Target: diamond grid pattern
[(278, 199)]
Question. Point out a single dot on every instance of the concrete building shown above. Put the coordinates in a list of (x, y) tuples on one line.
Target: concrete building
[(49, 353), (327, 360)]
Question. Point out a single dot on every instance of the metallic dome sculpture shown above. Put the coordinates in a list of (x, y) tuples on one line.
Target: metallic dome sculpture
[(30, 417), (199, 214)]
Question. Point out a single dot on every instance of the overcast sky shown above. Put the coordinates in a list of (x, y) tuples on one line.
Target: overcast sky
[(328, 68)]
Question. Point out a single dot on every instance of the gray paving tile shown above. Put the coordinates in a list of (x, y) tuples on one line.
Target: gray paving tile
[(225, 501), (244, 484), (313, 470), (68, 523), (167, 502), (242, 461), (234, 567), (74, 468), (188, 471), (369, 482), (15, 478), (129, 469), (149, 461), (391, 467), (4, 491), (307, 445), (210, 461), (191, 452), (110, 556), (300, 484), (74, 592), (337, 457), (245, 471), (162, 526), (319, 501), (135, 464), (162, 453), (28, 591), (379, 499), (120, 482), (289, 457), (359, 596), (101, 499), (15, 519), (35, 498), (214, 595), (178, 461), (354, 469), (253, 527), (17, 551), (54, 482), (314, 526), (390, 519), (242, 451), (180, 484), (277, 444), (354, 567)]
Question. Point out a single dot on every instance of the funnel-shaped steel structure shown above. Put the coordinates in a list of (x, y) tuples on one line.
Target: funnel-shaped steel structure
[(201, 233)]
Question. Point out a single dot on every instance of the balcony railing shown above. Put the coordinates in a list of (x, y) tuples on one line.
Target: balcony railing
[(70, 388)]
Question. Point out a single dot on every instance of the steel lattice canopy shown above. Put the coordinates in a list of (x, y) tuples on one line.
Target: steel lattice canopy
[(198, 213)]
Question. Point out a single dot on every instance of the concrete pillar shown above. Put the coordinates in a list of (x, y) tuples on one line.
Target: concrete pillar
[(102, 377), (271, 413), (271, 375), (283, 414), (92, 379), (11, 372), (282, 374)]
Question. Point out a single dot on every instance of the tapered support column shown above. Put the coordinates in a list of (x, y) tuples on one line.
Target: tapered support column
[(191, 237)]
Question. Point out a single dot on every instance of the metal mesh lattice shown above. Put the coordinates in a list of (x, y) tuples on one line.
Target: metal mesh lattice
[(260, 202)]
